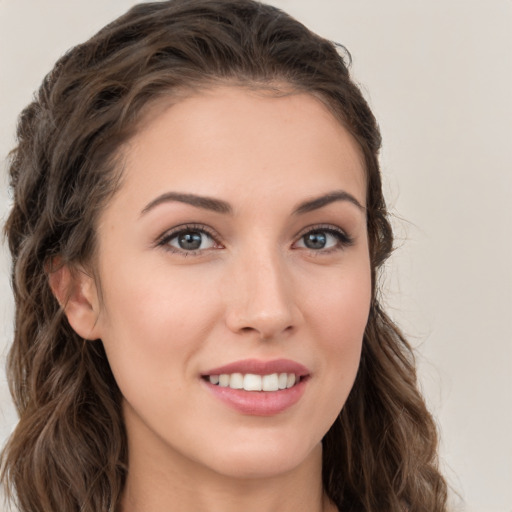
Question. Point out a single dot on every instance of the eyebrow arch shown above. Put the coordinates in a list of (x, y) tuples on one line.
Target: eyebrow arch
[(207, 203), (324, 200)]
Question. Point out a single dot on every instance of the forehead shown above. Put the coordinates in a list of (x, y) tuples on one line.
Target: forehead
[(227, 138)]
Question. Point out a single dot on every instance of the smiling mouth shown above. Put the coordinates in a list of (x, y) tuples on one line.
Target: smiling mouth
[(253, 382), (258, 388)]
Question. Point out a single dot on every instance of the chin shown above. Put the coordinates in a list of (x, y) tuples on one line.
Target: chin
[(264, 460)]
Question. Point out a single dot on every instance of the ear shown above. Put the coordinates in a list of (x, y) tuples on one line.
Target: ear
[(76, 292)]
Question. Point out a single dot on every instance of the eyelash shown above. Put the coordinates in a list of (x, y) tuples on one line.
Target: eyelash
[(343, 239), (164, 240)]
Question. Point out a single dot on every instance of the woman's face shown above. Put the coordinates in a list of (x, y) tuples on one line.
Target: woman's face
[(235, 255)]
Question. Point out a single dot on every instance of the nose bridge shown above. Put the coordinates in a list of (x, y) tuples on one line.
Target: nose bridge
[(262, 295)]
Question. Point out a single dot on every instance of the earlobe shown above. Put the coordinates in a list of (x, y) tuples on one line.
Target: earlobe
[(76, 292)]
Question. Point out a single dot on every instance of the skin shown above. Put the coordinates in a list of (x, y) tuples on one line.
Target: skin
[(252, 290)]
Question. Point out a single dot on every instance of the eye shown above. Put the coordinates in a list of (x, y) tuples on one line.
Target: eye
[(324, 238), (188, 240)]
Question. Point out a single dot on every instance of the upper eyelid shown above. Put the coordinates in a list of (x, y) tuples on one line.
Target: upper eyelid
[(321, 227), (188, 227)]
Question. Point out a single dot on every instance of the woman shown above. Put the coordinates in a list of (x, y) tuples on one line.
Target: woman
[(197, 229)]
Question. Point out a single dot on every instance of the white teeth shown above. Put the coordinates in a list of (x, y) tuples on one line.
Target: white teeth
[(270, 382), (224, 380), (236, 381), (252, 382)]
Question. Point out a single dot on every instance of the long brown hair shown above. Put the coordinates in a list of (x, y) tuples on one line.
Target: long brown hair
[(69, 451)]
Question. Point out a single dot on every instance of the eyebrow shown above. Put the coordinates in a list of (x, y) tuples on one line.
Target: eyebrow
[(220, 206), (207, 203), (324, 200)]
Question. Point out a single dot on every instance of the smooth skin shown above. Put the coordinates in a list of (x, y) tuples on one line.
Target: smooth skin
[(185, 289)]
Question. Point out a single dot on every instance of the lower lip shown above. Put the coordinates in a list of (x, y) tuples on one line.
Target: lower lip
[(259, 403)]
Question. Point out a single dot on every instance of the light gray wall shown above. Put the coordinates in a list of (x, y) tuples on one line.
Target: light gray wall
[(438, 75)]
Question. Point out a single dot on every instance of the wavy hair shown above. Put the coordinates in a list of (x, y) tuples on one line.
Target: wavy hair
[(69, 449)]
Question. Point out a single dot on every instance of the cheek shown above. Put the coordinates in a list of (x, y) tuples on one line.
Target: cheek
[(346, 314), (157, 300), (339, 315), (153, 322), (151, 331), (340, 307)]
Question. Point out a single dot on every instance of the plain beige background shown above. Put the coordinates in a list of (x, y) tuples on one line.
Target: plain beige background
[(438, 74)]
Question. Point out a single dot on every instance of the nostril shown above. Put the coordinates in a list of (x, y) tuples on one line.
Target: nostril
[(265, 334), (266, 318)]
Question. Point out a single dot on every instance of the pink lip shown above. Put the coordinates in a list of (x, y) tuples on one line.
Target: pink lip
[(258, 367), (259, 403)]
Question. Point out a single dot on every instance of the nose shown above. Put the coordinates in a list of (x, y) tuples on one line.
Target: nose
[(261, 298)]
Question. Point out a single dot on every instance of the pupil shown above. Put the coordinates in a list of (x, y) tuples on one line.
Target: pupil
[(190, 241), (315, 240)]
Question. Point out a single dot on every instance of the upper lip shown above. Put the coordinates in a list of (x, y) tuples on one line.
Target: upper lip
[(259, 367)]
